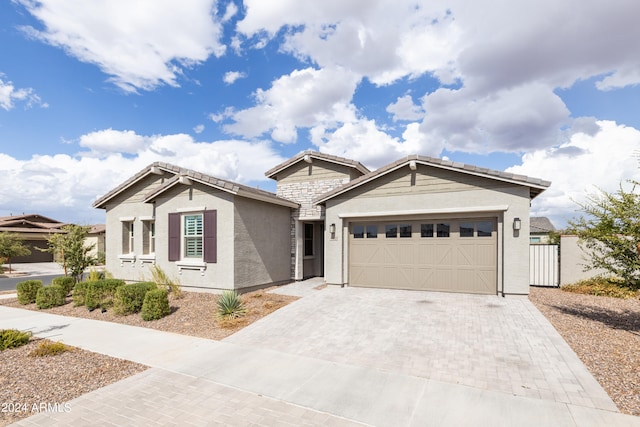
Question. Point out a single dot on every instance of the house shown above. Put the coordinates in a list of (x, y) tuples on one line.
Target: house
[(539, 230), (417, 223), (96, 237), (33, 230)]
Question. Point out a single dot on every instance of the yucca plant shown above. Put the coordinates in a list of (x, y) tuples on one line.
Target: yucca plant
[(230, 305)]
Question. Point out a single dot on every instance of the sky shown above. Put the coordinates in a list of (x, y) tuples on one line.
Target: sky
[(92, 92)]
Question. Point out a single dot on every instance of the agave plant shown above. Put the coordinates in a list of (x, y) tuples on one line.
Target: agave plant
[(230, 305)]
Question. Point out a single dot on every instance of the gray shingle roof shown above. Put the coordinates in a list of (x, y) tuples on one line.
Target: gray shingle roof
[(536, 185), (229, 186), (316, 155), (540, 224)]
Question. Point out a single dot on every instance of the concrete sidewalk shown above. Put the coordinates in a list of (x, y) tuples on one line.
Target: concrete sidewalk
[(196, 381)]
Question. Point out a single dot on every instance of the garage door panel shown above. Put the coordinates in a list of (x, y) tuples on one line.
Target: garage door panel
[(443, 263)]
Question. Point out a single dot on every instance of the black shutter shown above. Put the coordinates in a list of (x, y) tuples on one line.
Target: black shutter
[(210, 236), (174, 236)]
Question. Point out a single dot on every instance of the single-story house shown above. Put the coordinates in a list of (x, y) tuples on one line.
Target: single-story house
[(539, 230), (417, 223), (96, 237), (33, 230)]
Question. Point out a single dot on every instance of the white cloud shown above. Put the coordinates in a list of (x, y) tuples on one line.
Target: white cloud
[(580, 166), (141, 44), (303, 98), (198, 129), (9, 95), (80, 179), (231, 77), (405, 109)]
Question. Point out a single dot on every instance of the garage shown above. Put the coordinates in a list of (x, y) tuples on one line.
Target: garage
[(446, 254)]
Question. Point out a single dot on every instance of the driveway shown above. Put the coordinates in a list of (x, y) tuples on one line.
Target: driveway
[(486, 342)]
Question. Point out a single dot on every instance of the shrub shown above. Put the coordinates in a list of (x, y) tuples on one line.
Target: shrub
[(230, 305), (95, 275), (65, 282), (101, 292), (162, 279), (601, 286), (11, 338), (48, 348), (50, 296), (28, 290), (129, 298), (155, 305), (80, 293)]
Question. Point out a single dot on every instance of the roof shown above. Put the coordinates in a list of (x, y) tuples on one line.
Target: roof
[(30, 223), (184, 176), (97, 228), (540, 224), (309, 154), (536, 185)]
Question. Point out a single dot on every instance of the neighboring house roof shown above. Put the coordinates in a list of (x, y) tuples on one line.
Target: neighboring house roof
[(309, 155), (540, 224), (535, 185), (97, 228), (30, 223), (185, 176)]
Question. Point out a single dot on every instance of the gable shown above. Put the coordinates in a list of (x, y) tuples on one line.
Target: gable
[(425, 179), (136, 192), (315, 171)]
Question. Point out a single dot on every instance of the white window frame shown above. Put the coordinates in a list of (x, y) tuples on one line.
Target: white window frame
[(184, 237)]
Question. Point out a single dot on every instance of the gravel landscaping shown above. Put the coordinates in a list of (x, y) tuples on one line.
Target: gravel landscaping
[(27, 380), (605, 334)]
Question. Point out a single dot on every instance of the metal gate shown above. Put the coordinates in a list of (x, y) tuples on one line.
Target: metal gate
[(544, 265)]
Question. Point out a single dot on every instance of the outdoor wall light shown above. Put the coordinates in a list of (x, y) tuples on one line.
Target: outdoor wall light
[(332, 228), (516, 223)]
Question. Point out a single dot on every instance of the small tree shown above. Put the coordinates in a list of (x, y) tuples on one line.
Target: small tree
[(11, 246), (70, 246), (611, 232)]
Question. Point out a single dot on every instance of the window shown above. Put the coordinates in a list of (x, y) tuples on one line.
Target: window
[(308, 239), (466, 229), (485, 228), (405, 230), (127, 237), (149, 237), (426, 230), (442, 230), (391, 231), (193, 236), (369, 231)]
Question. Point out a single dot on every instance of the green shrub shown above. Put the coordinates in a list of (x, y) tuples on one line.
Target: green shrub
[(80, 293), (162, 279), (28, 290), (50, 296), (11, 338), (230, 305), (101, 292), (155, 305), (48, 348), (65, 282), (129, 298)]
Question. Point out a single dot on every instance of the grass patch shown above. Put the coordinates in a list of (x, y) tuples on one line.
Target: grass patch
[(602, 287), (12, 338)]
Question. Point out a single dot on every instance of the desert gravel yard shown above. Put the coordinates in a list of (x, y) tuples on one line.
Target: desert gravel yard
[(605, 333)]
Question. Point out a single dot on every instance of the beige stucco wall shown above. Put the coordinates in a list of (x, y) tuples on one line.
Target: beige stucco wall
[(262, 244), (573, 260), (448, 195)]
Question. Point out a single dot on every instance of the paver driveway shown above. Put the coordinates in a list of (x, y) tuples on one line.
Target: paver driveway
[(487, 342)]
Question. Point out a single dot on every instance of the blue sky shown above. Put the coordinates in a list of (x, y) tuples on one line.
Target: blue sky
[(92, 92)]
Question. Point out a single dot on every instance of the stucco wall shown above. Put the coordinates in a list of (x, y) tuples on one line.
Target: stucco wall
[(261, 243), (455, 199), (573, 260)]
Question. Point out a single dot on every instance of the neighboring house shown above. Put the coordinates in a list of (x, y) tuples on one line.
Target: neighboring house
[(34, 231), (539, 230), (417, 223), (96, 236)]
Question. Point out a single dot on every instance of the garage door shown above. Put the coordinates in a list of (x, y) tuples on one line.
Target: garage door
[(441, 255)]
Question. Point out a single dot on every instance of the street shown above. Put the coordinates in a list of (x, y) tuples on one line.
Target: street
[(9, 283)]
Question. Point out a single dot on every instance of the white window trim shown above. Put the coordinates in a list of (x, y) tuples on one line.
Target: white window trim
[(183, 247), (127, 258), (191, 265)]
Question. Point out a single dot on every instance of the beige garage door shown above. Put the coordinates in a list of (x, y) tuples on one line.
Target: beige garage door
[(441, 255)]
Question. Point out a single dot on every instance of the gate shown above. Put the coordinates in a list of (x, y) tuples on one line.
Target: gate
[(544, 265)]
